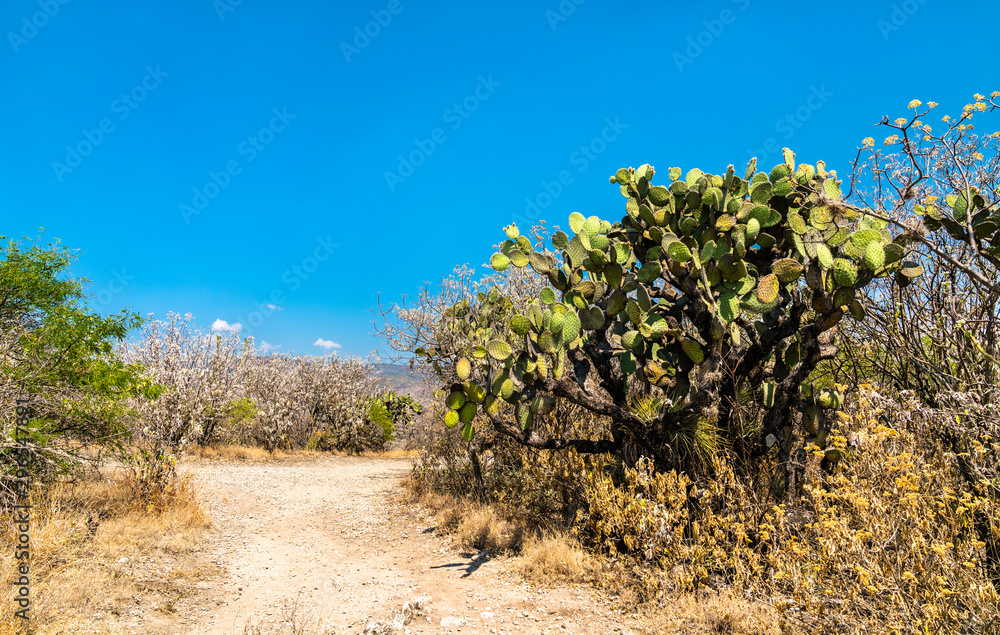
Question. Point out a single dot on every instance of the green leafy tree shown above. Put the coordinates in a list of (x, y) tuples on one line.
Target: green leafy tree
[(715, 295), (59, 356)]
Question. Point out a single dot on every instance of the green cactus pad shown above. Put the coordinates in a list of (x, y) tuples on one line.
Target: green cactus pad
[(542, 405), (463, 368), (845, 272), (779, 173), (831, 188), (455, 400), (679, 251), (823, 255), (523, 416), (761, 192), (725, 222), (874, 257), (632, 340), (829, 398), (499, 262), (649, 272), (863, 237), (767, 289), (797, 223), (693, 350), (576, 220), (810, 419), (613, 275), (474, 392), (751, 304), (820, 217), (547, 295), (571, 326), (857, 310), (499, 349), (511, 231), (467, 412), (520, 324), (468, 432), (659, 195), (560, 240), (506, 389), (787, 269), (729, 306), (768, 390), (518, 258), (843, 297), (451, 418), (577, 252), (893, 253), (539, 262)]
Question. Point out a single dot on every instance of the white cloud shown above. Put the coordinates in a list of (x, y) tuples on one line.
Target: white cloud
[(327, 344), (267, 347), (222, 325), (274, 307)]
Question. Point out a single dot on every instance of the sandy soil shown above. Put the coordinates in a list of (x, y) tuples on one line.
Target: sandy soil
[(324, 535)]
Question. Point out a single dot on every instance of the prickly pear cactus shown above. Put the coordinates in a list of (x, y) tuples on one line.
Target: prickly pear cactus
[(708, 285)]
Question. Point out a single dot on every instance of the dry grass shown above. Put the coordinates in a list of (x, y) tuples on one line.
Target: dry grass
[(557, 557), (713, 614), (252, 454), (232, 453), (80, 534), (292, 621)]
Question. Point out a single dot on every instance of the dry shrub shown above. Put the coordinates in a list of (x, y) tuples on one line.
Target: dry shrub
[(537, 488), (885, 543), (557, 557), (79, 532), (293, 620), (482, 528), (711, 613)]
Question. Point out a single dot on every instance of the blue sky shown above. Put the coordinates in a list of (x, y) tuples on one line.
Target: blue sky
[(219, 157)]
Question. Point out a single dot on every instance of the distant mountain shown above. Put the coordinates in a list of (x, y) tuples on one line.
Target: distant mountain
[(403, 380)]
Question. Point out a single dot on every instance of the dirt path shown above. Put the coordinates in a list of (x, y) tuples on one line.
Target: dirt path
[(323, 533)]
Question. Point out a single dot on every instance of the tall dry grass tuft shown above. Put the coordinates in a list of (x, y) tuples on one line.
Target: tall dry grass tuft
[(80, 533)]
